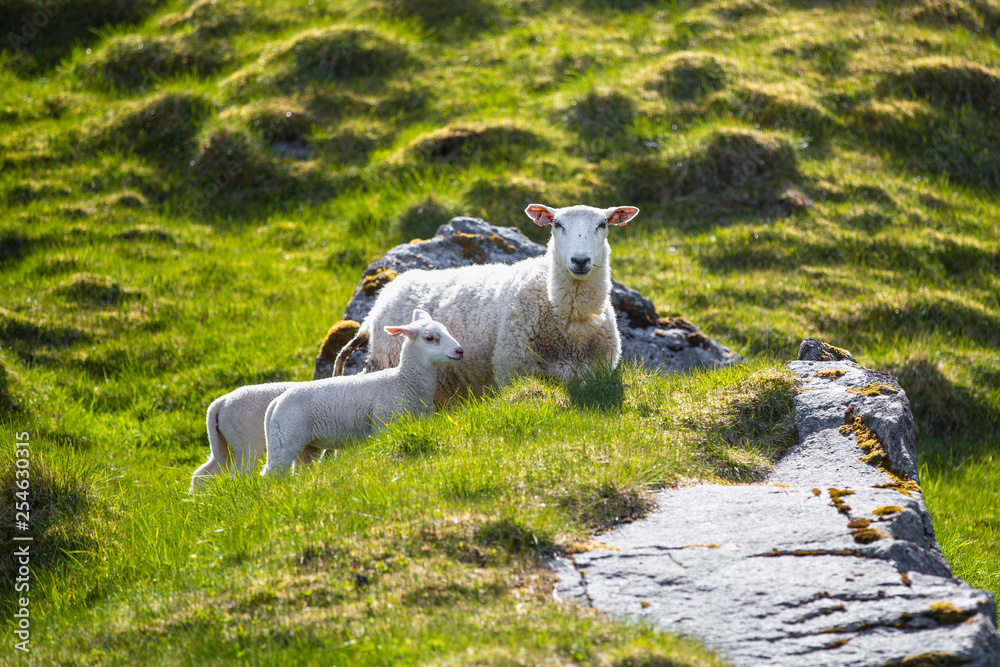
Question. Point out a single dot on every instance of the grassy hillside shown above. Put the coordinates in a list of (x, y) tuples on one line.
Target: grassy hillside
[(189, 194)]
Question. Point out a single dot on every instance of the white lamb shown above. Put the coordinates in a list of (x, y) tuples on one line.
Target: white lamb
[(317, 415), (548, 315), (236, 431)]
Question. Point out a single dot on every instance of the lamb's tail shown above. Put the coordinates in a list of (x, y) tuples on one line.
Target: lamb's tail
[(269, 442), (221, 454), (221, 451), (355, 344)]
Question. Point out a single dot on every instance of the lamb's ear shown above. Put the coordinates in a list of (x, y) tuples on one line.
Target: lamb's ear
[(408, 330), (420, 315), (541, 214), (620, 215)]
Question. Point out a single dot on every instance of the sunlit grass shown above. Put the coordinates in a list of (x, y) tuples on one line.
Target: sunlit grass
[(151, 260)]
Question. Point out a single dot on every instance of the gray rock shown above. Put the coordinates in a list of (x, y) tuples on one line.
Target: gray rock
[(812, 349), (663, 344), (773, 574)]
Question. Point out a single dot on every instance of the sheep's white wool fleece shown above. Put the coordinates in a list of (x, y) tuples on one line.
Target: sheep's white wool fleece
[(531, 317)]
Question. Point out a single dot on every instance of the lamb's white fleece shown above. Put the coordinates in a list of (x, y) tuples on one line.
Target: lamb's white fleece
[(236, 430), (323, 413)]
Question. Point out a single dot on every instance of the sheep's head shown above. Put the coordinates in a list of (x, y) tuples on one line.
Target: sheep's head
[(579, 233), (428, 339)]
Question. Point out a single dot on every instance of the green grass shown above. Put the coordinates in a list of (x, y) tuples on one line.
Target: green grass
[(418, 544), (192, 215)]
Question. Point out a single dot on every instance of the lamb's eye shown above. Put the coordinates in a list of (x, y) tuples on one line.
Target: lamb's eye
[(430, 338), (603, 225), (557, 225)]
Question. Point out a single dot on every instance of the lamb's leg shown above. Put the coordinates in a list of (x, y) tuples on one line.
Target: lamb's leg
[(283, 442), (204, 473), (308, 456), (220, 453)]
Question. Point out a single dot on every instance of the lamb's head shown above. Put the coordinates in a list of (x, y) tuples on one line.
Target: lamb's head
[(426, 340), (579, 233)]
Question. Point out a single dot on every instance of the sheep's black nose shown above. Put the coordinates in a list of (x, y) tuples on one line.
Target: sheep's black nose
[(459, 352), (580, 264)]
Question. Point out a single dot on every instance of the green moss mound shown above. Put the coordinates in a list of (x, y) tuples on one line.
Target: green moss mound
[(743, 9), (25, 335), (691, 74), (231, 164), (454, 16), (602, 114), (213, 18), (162, 126), (489, 140), (95, 290), (129, 62), (781, 106), (761, 163), (949, 80), (975, 16), (276, 119), (339, 53)]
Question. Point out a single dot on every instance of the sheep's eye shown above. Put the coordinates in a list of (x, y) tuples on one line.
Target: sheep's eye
[(557, 225), (430, 338), (603, 225)]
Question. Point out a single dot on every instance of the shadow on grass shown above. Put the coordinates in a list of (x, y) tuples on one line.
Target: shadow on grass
[(514, 536), (55, 501), (42, 33), (952, 421), (603, 389)]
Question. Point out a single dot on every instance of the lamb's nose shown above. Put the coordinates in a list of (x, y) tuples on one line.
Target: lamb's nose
[(580, 263), (459, 352)]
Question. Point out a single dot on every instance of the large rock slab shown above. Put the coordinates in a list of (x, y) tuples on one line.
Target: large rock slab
[(832, 562), (662, 344)]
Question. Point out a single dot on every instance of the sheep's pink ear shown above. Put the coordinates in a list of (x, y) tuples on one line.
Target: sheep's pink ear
[(620, 215), (420, 315), (541, 214), (408, 330)]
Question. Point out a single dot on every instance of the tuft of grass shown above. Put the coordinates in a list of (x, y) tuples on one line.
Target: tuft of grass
[(452, 17), (211, 18), (494, 140), (128, 62), (733, 159), (160, 127), (692, 74), (92, 290), (950, 80)]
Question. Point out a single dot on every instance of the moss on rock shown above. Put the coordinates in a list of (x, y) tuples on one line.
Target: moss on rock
[(376, 279)]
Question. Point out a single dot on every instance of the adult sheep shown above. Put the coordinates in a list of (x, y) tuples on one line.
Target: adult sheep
[(549, 315)]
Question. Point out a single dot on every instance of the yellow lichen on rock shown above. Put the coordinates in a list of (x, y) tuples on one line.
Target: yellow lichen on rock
[(831, 374), (946, 613), (867, 535), (875, 453), (874, 389), (471, 245), (376, 280)]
